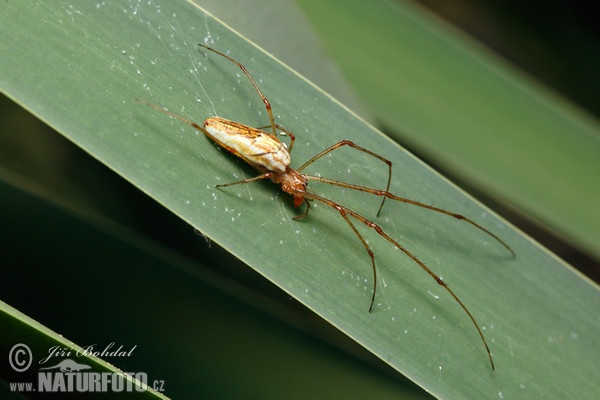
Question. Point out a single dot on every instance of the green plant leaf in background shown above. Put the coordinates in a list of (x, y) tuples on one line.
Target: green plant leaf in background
[(18, 328), (471, 112), (539, 315)]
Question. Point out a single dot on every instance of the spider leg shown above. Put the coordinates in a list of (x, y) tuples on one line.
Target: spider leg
[(260, 93), (179, 117), (305, 213), (359, 148), (267, 175), (388, 195), (345, 212), (344, 215)]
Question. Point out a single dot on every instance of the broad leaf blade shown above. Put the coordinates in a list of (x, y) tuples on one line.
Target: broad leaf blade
[(88, 90)]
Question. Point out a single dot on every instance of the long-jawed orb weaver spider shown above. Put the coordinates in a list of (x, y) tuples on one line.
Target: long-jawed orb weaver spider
[(271, 157)]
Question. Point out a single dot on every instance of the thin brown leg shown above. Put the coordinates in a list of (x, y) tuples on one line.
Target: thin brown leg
[(179, 117), (305, 213), (345, 212), (369, 251), (388, 195), (267, 175), (359, 148), (260, 93)]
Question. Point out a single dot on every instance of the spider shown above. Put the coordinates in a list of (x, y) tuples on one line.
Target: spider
[(271, 158)]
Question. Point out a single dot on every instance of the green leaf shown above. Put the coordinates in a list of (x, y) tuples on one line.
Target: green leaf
[(540, 317), (18, 328)]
